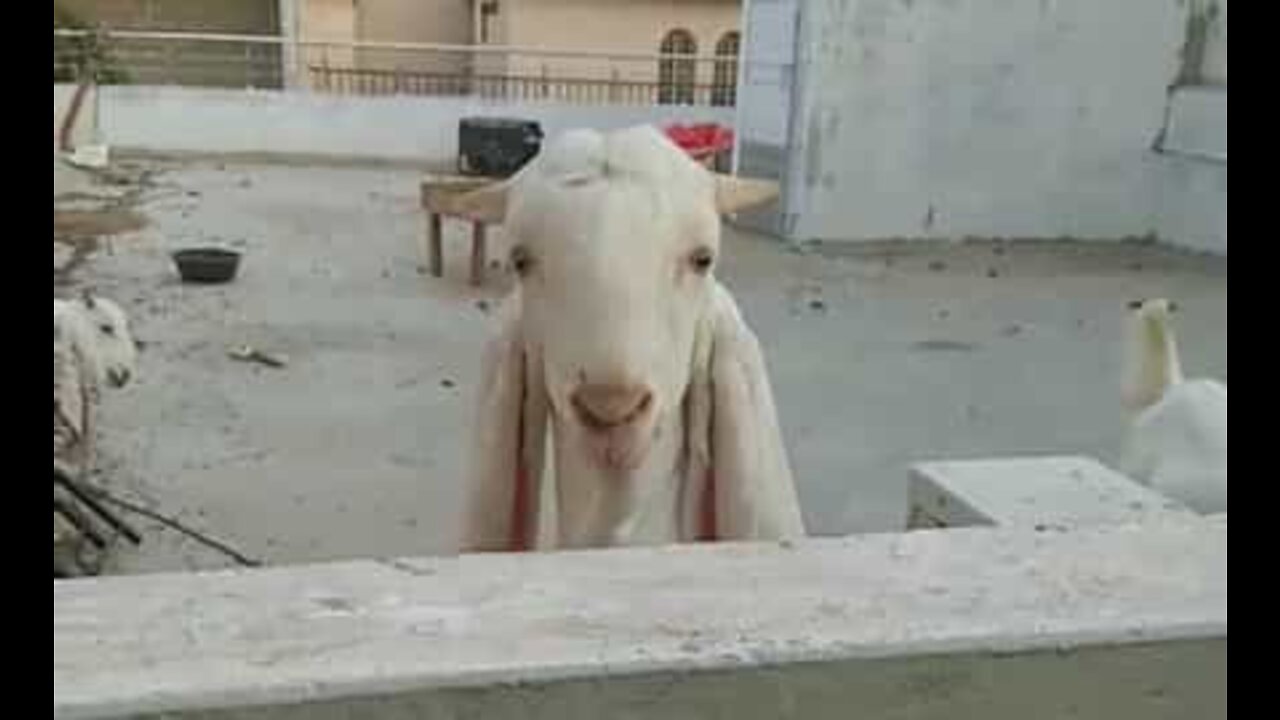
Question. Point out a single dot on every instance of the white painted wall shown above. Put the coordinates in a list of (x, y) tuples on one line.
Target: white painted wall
[(1191, 171), (394, 128), (936, 119), (1192, 204), (984, 118), (765, 82), (1215, 55), (766, 104)]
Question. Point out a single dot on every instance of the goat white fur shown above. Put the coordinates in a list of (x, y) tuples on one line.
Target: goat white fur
[(93, 346), (1176, 439), (623, 374)]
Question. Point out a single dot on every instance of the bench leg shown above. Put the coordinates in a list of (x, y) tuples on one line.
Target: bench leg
[(477, 253), (436, 242)]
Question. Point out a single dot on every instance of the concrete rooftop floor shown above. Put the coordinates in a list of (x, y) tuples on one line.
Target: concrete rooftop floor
[(880, 356)]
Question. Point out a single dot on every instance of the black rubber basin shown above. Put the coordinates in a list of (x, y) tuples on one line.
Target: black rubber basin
[(207, 265)]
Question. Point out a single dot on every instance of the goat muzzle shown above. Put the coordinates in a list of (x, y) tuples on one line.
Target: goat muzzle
[(602, 408)]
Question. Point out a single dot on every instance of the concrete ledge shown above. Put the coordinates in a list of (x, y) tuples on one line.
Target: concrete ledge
[(284, 159), (386, 128), (1048, 491), (1116, 621)]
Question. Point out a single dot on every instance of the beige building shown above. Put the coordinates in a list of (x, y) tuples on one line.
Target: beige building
[(408, 21), (704, 28)]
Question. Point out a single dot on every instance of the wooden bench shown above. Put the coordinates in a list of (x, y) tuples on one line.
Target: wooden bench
[(436, 196)]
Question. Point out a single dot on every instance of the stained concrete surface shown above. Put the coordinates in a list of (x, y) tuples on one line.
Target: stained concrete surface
[(968, 623), (880, 355)]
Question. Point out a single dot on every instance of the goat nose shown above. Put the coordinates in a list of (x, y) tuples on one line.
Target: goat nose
[(601, 407)]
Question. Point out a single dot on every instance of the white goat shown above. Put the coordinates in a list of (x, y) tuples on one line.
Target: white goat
[(1177, 435), (92, 346), (619, 343)]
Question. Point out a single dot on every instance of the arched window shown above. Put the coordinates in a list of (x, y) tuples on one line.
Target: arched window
[(724, 82), (676, 75)]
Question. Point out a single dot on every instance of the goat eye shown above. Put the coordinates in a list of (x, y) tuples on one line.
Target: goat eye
[(107, 329), (701, 260), (521, 261)]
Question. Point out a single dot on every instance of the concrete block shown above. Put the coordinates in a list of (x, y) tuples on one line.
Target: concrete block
[(1051, 491), (1198, 123), (303, 124), (1100, 622)]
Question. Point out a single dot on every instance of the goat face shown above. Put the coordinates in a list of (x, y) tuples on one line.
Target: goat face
[(615, 274), (102, 330), (614, 238), (620, 338)]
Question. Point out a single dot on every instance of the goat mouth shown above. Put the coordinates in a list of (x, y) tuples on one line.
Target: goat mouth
[(620, 451)]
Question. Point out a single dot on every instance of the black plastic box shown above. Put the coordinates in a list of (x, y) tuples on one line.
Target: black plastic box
[(496, 147)]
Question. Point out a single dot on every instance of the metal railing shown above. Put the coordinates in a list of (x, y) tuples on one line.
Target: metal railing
[(576, 90), (383, 68)]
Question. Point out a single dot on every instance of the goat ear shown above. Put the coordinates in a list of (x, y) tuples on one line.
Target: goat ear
[(487, 204), (738, 193), (745, 491), (87, 298), (508, 443)]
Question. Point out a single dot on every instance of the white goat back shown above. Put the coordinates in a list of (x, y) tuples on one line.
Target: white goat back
[(1178, 446), (73, 393), (1176, 439)]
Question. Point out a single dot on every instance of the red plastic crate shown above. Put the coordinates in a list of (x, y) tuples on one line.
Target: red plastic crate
[(701, 140)]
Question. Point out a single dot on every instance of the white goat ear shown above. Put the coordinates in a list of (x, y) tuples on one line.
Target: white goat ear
[(746, 491), (739, 193), (508, 442)]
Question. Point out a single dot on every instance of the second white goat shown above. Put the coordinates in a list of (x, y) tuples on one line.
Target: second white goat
[(1176, 440), (93, 346)]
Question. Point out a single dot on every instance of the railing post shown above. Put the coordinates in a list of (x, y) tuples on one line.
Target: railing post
[(248, 66), (318, 75), (170, 61)]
